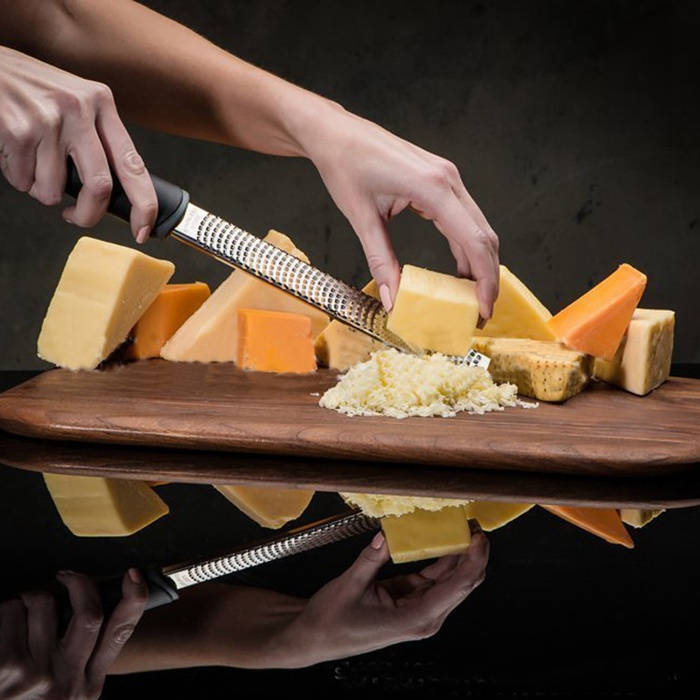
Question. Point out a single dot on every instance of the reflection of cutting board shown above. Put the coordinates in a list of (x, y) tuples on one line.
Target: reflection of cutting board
[(602, 431)]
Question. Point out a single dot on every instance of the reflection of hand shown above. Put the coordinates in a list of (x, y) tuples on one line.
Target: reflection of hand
[(355, 613), (48, 115), (373, 175), (35, 664)]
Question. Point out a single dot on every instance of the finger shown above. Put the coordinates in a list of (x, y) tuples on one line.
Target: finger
[(119, 627), (365, 568), (93, 168), (78, 642), (384, 267), (42, 623), (50, 175), (18, 156), (130, 170), (13, 629)]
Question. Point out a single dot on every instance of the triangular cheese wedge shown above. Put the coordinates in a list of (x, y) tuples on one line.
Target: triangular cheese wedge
[(595, 323), (268, 506), (604, 522), (211, 333), (517, 312), (494, 514)]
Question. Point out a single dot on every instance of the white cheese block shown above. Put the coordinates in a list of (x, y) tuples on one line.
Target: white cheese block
[(103, 290)]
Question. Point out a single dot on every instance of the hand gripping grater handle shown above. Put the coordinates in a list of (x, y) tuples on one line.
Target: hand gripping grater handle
[(303, 539)]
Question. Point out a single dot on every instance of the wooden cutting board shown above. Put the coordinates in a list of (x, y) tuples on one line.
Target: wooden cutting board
[(603, 431)]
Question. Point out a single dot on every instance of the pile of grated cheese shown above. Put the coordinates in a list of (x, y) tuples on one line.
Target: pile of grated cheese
[(378, 505), (400, 385)]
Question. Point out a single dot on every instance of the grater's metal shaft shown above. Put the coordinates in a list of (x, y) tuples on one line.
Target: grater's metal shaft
[(302, 539), (248, 252)]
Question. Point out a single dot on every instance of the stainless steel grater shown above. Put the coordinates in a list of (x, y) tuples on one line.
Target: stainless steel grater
[(180, 219), (302, 539)]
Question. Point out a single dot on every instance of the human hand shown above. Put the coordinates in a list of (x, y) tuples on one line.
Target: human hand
[(35, 663), (46, 115), (374, 175), (354, 613)]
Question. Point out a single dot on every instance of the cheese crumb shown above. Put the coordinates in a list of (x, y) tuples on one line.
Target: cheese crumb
[(400, 385)]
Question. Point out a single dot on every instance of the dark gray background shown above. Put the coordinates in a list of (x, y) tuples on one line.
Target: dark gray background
[(574, 125)]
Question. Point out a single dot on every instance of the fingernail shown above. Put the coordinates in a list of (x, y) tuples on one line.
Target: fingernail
[(142, 235), (385, 296), (135, 575), (377, 541)]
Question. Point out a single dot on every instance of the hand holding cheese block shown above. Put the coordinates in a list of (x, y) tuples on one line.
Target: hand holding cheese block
[(275, 341), (596, 322), (435, 311), (269, 507), (517, 313), (643, 360), (103, 291), (172, 307), (92, 506)]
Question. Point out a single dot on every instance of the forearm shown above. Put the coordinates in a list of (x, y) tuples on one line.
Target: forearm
[(216, 625), (165, 76)]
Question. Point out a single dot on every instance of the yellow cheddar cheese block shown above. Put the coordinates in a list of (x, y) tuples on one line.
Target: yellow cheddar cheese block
[(596, 322), (435, 311), (639, 517), (643, 360), (603, 522), (93, 506), (340, 346), (517, 312), (426, 534), (268, 506), (211, 333), (541, 369), (494, 514), (102, 292), (275, 341), (172, 307)]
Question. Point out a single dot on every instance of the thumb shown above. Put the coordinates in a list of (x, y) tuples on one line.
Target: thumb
[(381, 258), (370, 560)]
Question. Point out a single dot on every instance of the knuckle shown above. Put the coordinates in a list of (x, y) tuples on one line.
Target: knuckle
[(122, 634), (429, 628), (90, 619), (101, 94), (98, 186), (133, 162)]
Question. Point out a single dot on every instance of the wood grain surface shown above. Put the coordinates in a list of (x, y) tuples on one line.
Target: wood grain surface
[(603, 431)]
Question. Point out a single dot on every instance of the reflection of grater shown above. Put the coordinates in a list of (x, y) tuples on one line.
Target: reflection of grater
[(188, 223)]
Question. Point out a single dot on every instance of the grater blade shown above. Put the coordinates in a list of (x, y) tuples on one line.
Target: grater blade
[(238, 248), (333, 529)]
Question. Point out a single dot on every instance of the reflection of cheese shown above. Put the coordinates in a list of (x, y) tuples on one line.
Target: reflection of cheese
[(639, 517), (171, 308), (517, 312), (494, 514), (434, 311), (103, 290), (93, 506), (604, 522), (595, 322), (211, 333), (275, 341), (541, 369), (340, 346), (425, 534), (643, 360), (269, 507)]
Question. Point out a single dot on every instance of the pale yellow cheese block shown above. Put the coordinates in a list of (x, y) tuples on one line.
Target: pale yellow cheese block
[(103, 291), (639, 517), (435, 311), (643, 360), (340, 346), (494, 514), (211, 333), (93, 506), (426, 534), (517, 312), (541, 369), (268, 506)]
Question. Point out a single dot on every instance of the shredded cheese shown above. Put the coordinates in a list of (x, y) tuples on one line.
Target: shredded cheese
[(378, 505)]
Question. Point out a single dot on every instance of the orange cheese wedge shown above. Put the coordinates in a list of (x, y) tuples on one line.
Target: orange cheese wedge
[(171, 308), (604, 522), (595, 323), (275, 341)]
